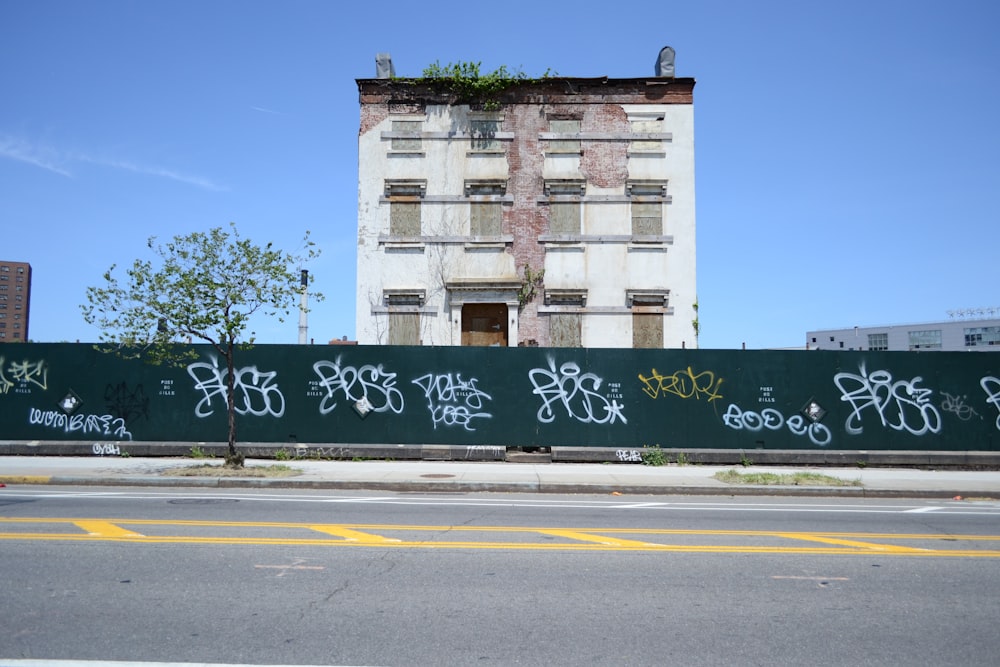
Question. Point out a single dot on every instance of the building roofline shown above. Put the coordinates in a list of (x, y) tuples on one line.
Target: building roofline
[(549, 79), (860, 327), (648, 89)]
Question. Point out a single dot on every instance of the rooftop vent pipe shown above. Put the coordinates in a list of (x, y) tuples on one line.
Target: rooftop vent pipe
[(665, 62), (383, 66)]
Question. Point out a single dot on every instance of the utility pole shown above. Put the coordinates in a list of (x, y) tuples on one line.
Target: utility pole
[(303, 309)]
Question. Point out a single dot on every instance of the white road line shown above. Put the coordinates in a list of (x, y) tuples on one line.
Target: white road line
[(116, 663), (991, 509)]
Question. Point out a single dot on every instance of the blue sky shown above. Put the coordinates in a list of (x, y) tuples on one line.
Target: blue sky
[(846, 153)]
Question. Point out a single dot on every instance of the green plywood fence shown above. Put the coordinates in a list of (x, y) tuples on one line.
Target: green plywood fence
[(511, 397)]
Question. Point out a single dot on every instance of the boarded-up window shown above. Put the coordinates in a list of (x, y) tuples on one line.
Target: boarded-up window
[(647, 219), (647, 330), (404, 218), (485, 219), (646, 126), (564, 145), (647, 208), (564, 205), (484, 134), (564, 218), (407, 143), (485, 207), (404, 329), (404, 206), (565, 330)]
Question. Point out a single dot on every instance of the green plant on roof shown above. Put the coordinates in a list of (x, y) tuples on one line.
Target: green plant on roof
[(469, 85)]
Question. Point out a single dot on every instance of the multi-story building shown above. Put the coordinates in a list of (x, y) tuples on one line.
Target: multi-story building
[(560, 212), (982, 335), (15, 301)]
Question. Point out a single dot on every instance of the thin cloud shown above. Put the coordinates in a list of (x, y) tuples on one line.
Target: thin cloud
[(161, 172), (44, 157), (263, 110), (14, 148)]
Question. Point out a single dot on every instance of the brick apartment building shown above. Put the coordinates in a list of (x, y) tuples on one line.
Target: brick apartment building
[(561, 213), (15, 301)]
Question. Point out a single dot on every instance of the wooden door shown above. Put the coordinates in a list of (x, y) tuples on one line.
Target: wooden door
[(484, 324)]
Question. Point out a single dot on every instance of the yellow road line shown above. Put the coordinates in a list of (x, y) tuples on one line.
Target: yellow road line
[(850, 543), (593, 537), (105, 529), (501, 546), (353, 535), (508, 529), (578, 539)]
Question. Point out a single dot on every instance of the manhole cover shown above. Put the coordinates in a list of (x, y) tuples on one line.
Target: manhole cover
[(437, 475)]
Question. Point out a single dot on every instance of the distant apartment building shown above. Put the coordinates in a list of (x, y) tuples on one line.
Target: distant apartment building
[(951, 335), (15, 301), (561, 213)]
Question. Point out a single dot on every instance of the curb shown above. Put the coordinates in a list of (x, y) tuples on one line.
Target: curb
[(500, 487), (625, 455)]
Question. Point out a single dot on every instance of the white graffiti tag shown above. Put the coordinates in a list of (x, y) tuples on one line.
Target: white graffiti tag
[(371, 383), (991, 386), (956, 405), (901, 405), (452, 400), (106, 425), (769, 418), (576, 391), (253, 392)]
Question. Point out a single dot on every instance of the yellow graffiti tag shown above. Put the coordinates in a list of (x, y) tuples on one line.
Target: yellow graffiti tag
[(33, 372), (683, 383), (5, 384)]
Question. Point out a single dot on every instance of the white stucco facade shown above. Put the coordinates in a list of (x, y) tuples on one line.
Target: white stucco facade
[(564, 216)]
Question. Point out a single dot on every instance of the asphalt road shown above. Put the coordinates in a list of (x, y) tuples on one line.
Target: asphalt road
[(252, 577)]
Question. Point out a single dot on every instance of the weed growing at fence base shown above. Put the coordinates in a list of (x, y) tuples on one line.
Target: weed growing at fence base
[(783, 479), (216, 470), (653, 456)]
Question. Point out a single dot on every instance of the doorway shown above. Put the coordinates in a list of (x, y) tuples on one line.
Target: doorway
[(484, 324)]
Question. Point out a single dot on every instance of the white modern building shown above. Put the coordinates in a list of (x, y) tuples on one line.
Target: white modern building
[(558, 212), (952, 335)]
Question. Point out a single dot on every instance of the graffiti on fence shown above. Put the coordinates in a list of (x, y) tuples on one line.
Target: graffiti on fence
[(453, 401), (576, 392), (20, 375), (106, 425), (253, 391), (991, 386), (129, 404), (956, 405), (738, 419), (901, 405), (370, 384), (682, 383)]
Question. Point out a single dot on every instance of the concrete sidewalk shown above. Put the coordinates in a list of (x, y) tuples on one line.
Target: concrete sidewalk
[(466, 477)]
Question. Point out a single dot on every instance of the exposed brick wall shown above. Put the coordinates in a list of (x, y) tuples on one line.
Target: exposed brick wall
[(605, 163), (526, 220), (372, 115)]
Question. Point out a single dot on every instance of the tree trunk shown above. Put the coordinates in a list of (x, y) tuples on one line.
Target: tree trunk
[(234, 458)]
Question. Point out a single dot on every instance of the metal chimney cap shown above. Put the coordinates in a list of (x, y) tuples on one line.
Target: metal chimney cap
[(383, 66), (665, 62)]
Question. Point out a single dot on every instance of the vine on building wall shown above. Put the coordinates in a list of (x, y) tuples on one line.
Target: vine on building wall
[(465, 81), (696, 323), (530, 285)]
